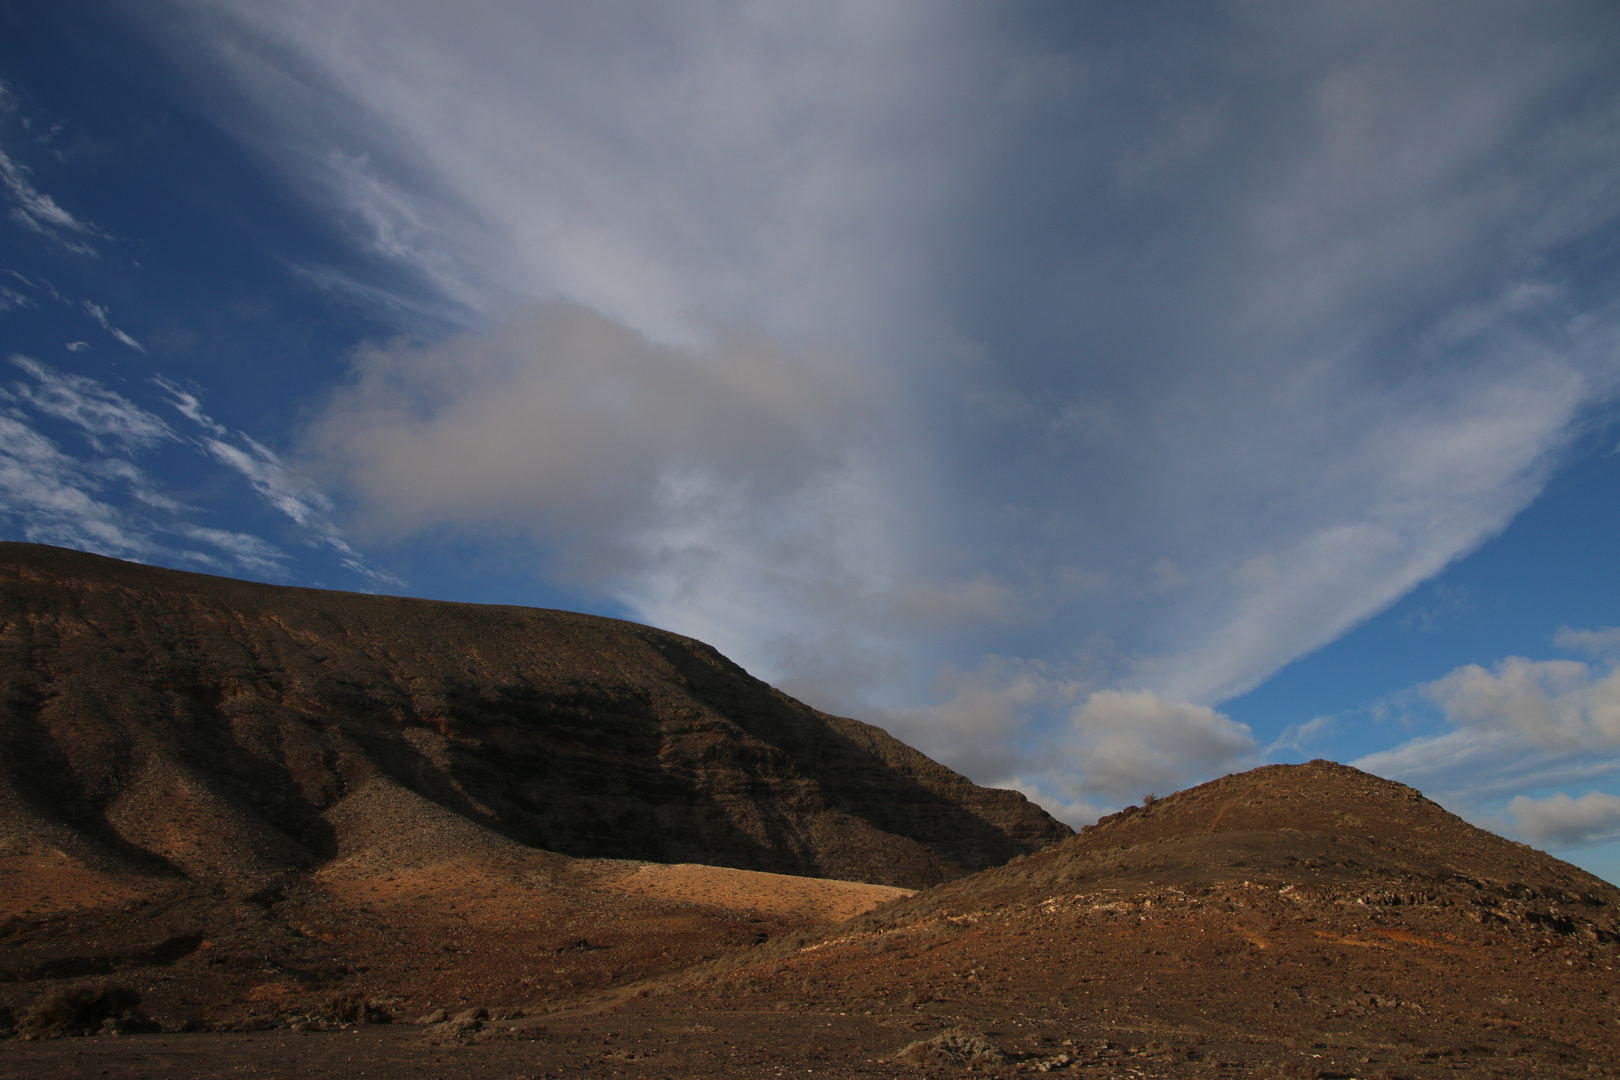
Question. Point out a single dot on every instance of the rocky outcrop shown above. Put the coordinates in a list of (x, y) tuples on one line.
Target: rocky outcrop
[(182, 723)]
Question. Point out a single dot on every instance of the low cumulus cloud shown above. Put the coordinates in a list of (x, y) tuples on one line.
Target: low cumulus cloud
[(1518, 722), (1104, 748), (1522, 725), (663, 471), (567, 421), (872, 342), (1133, 742), (1559, 821), (1556, 704)]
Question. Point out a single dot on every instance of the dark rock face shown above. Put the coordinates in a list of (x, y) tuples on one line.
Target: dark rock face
[(180, 722)]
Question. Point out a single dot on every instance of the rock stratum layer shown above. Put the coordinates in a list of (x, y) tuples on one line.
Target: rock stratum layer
[(178, 724)]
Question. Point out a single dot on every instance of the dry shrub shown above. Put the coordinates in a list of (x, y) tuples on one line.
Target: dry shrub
[(85, 1010), (354, 1011), (954, 1047)]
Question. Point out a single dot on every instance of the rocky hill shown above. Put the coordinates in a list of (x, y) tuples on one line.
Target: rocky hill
[(1304, 920), (177, 724)]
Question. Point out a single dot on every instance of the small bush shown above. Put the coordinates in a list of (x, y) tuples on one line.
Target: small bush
[(354, 1011), (952, 1048), (85, 1010)]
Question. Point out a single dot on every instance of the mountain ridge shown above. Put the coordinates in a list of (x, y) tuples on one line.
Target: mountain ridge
[(135, 694)]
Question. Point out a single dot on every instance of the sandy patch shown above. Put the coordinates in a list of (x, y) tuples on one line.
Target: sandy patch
[(753, 891)]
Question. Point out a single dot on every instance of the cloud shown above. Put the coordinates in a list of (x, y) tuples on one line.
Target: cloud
[(1603, 642), (569, 420), (39, 212), (873, 342), (1109, 747), (99, 313), (189, 405), (634, 458), (1134, 741), (1559, 821), (1557, 704), (244, 549), (290, 494), (1297, 737), (982, 719), (1520, 726), (104, 501), (54, 496), (102, 414)]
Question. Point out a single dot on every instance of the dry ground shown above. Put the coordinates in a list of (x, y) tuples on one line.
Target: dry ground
[(1305, 921)]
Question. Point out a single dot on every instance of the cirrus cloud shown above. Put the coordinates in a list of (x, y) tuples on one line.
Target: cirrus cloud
[(873, 342)]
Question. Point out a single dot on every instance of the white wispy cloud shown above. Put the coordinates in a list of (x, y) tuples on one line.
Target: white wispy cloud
[(39, 212), (1296, 737), (1084, 347), (104, 501), (244, 549), (54, 499), (292, 495), (99, 313), (104, 415)]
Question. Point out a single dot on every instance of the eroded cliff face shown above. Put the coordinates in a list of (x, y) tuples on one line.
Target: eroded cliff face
[(184, 723)]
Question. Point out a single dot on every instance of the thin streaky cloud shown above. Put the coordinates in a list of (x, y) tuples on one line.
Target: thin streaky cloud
[(278, 486), (100, 413), (39, 212), (1148, 360), (100, 314)]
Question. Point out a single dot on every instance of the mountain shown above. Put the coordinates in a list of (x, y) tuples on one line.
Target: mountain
[(169, 723), (267, 808), (1302, 921), (1296, 920)]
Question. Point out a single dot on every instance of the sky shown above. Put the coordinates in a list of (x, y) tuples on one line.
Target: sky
[(1100, 397)]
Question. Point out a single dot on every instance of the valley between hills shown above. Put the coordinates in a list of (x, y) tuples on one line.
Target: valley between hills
[(266, 831)]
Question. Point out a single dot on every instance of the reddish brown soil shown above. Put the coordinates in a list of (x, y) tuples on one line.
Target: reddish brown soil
[(1301, 921), (514, 929)]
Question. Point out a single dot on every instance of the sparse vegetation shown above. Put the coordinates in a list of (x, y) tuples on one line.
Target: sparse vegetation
[(85, 1010), (956, 1047), (350, 1010)]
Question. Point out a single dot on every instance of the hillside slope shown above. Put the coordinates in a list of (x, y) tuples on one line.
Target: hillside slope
[(168, 723), (1299, 920)]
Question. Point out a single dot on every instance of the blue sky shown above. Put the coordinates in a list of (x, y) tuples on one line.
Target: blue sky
[(1100, 399)]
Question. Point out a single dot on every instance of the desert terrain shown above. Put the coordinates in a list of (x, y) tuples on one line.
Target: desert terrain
[(265, 832)]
